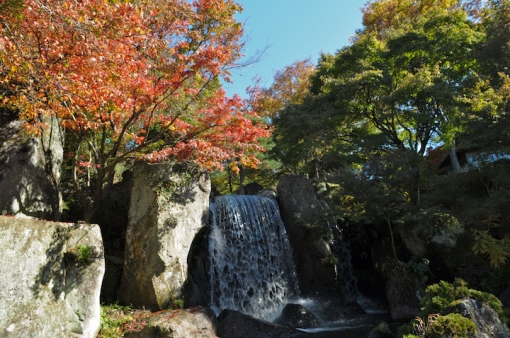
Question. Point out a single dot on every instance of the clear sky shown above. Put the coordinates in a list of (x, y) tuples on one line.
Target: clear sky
[(292, 30)]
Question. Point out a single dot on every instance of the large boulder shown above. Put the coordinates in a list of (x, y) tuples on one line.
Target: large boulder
[(486, 319), (297, 316), (30, 168), (50, 279), (169, 205), (234, 324), (303, 216), (195, 322), (402, 295)]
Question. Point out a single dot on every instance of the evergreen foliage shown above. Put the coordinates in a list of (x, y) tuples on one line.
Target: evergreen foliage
[(438, 316)]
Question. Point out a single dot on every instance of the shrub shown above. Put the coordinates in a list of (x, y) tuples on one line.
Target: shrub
[(441, 297), (452, 325), (438, 304)]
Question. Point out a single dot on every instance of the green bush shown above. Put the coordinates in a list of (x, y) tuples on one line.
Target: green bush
[(113, 317), (441, 297), (452, 325), (439, 320)]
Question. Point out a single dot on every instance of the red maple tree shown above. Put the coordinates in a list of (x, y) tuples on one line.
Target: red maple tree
[(128, 79)]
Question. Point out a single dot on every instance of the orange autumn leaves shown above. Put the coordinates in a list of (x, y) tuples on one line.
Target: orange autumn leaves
[(131, 78)]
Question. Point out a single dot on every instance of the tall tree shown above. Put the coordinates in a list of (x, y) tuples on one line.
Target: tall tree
[(418, 85), (289, 86), (491, 130), (383, 16), (130, 79)]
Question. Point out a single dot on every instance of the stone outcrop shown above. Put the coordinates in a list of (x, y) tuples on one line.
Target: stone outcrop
[(50, 279), (30, 169), (486, 319), (302, 215), (193, 322), (169, 205)]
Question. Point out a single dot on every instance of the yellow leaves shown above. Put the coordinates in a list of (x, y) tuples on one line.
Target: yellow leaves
[(498, 250)]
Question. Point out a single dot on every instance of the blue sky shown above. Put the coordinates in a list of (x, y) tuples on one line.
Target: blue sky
[(293, 30)]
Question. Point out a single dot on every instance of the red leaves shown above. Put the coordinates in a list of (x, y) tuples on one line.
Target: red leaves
[(130, 78)]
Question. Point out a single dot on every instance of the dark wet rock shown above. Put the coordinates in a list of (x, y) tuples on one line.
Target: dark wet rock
[(380, 330), (234, 324), (253, 188), (403, 301), (302, 213), (296, 315)]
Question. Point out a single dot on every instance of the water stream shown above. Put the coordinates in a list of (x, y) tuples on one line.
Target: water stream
[(252, 270), (251, 267)]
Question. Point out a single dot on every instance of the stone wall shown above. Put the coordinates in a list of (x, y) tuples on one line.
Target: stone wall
[(169, 205), (50, 279)]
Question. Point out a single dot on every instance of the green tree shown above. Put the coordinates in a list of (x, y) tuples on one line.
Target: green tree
[(417, 86), (490, 131)]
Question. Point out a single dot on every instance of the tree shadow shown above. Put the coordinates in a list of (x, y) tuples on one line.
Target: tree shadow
[(27, 180), (53, 274)]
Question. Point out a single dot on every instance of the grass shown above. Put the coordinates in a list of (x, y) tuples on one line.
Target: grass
[(117, 320)]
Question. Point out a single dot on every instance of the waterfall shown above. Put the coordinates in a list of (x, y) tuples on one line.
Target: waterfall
[(344, 266), (251, 266)]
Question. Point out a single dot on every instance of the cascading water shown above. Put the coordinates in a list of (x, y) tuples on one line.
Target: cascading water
[(251, 266), (342, 252)]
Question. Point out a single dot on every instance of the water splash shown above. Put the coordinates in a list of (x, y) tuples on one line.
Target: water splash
[(251, 266)]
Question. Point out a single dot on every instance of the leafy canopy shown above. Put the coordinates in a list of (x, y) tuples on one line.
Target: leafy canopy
[(130, 79)]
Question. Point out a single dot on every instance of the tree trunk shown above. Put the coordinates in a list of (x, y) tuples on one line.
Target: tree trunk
[(242, 174), (414, 186), (454, 160)]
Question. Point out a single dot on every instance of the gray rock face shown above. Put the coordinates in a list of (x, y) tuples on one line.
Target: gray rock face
[(169, 205), (30, 169), (193, 322), (301, 213), (50, 279), (486, 319)]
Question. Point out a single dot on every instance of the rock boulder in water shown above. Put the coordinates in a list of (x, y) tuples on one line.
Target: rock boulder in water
[(234, 324), (297, 316)]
